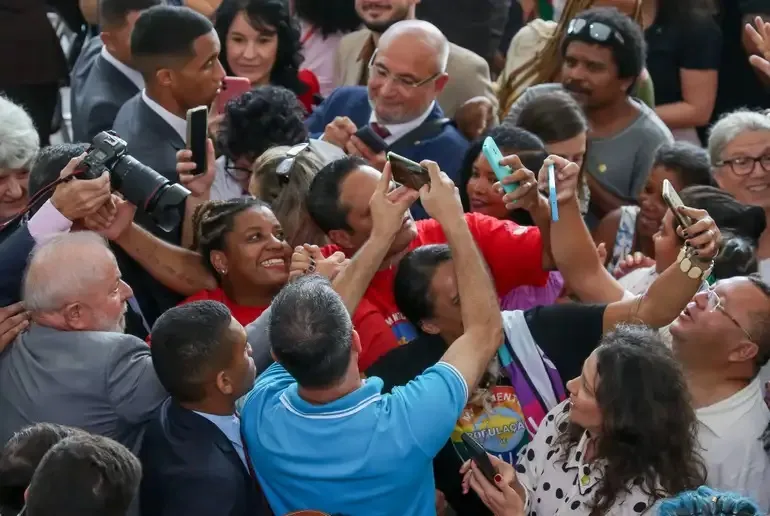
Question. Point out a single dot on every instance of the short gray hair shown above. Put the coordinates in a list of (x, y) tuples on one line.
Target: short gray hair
[(61, 269), (732, 125), (19, 141)]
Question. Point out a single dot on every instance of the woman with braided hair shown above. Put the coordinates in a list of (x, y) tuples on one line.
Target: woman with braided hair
[(243, 245), (535, 54)]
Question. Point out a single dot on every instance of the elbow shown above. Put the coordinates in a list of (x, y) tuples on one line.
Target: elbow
[(703, 115)]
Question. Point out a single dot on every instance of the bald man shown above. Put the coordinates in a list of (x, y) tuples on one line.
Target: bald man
[(397, 110), (74, 366)]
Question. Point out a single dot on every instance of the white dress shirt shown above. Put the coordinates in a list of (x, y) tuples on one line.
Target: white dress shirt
[(178, 124), (400, 130), (131, 74), (729, 433)]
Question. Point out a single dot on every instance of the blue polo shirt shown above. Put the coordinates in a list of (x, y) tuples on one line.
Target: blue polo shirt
[(366, 454)]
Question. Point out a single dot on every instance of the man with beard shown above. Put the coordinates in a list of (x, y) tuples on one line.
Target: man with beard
[(468, 72), (74, 365), (603, 55), (406, 74)]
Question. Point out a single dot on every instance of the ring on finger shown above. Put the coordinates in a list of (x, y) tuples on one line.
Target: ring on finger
[(310, 268)]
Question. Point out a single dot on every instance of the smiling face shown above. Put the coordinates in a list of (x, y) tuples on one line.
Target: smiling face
[(379, 15), (256, 255), (251, 52), (750, 185), (481, 196), (13, 192)]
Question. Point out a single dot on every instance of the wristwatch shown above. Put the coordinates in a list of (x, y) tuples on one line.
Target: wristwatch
[(693, 269)]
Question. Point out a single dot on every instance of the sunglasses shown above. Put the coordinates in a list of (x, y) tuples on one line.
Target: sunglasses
[(596, 31), (285, 167)]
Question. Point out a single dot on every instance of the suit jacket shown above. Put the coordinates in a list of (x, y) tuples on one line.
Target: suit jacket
[(92, 47), (154, 143), (190, 468), (468, 73), (447, 148), (102, 382)]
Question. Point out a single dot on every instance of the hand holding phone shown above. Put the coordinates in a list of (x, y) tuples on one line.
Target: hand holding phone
[(197, 134), (232, 87), (407, 172), (479, 456), (492, 152), (371, 139), (673, 201)]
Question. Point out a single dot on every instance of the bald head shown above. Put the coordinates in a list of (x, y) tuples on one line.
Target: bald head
[(64, 270), (421, 36)]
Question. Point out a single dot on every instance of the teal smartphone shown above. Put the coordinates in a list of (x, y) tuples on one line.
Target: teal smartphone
[(492, 152)]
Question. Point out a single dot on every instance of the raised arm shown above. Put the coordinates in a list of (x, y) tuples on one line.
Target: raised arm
[(471, 353)]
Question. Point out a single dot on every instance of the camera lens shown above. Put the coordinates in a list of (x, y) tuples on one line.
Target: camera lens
[(149, 191)]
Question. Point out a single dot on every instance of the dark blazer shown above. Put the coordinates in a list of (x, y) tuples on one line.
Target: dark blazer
[(446, 146), (153, 142), (190, 468), (82, 67)]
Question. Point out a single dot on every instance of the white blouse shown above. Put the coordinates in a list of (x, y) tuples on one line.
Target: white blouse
[(555, 487)]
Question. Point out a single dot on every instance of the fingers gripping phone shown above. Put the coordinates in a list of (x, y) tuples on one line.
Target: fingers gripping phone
[(479, 456), (673, 201), (492, 152), (197, 136), (371, 139), (232, 87), (407, 172)]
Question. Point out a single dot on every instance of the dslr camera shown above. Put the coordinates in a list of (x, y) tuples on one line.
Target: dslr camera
[(139, 184)]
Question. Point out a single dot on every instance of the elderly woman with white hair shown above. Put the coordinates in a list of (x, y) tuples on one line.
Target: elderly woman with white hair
[(739, 148), (19, 143)]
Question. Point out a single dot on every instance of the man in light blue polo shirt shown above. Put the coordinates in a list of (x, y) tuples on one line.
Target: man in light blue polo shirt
[(322, 438)]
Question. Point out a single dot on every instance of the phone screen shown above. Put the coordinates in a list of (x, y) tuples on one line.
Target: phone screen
[(407, 172), (197, 134)]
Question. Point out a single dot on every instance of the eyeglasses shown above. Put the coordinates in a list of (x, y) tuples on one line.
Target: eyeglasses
[(284, 167), (744, 165), (240, 174), (597, 31), (715, 303), (381, 73)]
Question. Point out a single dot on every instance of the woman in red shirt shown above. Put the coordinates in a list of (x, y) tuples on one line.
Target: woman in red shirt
[(261, 42), (243, 244)]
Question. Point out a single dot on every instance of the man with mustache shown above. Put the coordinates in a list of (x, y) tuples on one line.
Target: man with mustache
[(603, 55)]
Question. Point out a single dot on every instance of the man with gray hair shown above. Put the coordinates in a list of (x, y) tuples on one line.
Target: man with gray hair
[(19, 142), (74, 366), (397, 109)]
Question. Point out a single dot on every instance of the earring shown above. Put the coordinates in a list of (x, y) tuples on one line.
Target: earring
[(222, 271)]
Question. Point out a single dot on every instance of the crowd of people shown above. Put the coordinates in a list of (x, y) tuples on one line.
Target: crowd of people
[(288, 321)]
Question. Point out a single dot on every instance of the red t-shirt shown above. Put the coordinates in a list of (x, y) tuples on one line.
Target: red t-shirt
[(313, 88), (243, 314), (513, 253)]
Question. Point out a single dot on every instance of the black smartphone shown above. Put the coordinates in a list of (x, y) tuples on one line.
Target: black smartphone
[(479, 455), (371, 139), (673, 201), (407, 172), (197, 135)]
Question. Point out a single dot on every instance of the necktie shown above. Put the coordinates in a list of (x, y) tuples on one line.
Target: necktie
[(381, 130)]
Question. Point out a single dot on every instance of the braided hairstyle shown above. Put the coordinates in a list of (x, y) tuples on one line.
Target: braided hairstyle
[(213, 220), (545, 65)]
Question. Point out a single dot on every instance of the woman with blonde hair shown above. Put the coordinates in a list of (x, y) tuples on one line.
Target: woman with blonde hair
[(534, 56)]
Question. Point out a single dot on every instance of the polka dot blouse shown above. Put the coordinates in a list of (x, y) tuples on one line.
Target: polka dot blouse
[(558, 487)]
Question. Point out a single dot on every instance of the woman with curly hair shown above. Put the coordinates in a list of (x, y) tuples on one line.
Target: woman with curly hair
[(624, 441), (323, 25), (261, 42)]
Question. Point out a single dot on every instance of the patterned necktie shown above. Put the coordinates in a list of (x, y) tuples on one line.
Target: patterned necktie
[(381, 130)]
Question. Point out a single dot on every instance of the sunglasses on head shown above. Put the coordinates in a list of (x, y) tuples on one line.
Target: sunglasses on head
[(284, 168), (596, 31)]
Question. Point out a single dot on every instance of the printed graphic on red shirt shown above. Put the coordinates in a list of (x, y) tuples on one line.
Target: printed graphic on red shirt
[(402, 329), (500, 429)]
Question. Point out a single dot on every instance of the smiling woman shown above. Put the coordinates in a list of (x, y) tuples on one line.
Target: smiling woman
[(243, 245), (18, 146)]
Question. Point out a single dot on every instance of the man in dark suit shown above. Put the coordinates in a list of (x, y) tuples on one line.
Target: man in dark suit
[(177, 52), (111, 80), (193, 456), (407, 73), (74, 365)]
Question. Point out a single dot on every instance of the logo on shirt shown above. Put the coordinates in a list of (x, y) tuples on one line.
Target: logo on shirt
[(401, 328), (501, 429)]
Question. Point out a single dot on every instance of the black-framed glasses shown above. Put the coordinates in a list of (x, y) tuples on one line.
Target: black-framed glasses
[(240, 174), (715, 303), (380, 72), (283, 171), (744, 165), (597, 31)]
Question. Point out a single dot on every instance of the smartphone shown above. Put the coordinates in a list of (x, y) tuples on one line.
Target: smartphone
[(372, 140), (197, 134), (673, 201), (232, 87), (479, 455), (552, 193), (492, 152), (407, 172)]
